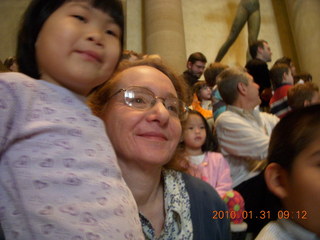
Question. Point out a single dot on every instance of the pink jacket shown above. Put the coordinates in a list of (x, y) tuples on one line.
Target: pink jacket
[(214, 170)]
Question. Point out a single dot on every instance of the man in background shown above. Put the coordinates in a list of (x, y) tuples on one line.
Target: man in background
[(195, 67), (257, 67)]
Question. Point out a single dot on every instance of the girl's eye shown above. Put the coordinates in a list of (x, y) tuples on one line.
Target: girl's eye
[(110, 32), (81, 18)]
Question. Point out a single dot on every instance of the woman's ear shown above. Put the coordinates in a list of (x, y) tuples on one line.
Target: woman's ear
[(276, 180)]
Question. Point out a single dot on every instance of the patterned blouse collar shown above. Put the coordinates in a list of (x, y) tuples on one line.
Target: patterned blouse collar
[(178, 224)]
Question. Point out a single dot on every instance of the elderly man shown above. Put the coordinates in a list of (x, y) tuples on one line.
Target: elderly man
[(243, 131)]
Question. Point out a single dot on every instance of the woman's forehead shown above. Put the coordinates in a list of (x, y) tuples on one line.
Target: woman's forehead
[(145, 76)]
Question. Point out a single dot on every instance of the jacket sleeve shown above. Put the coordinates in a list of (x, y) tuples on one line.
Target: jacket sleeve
[(205, 201)]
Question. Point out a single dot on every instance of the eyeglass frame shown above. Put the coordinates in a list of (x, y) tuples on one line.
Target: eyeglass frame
[(184, 107)]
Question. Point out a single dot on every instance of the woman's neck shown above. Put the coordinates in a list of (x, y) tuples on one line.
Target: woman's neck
[(143, 183), (147, 188)]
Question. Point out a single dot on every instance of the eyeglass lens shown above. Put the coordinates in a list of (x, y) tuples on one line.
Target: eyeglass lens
[(144, 99)]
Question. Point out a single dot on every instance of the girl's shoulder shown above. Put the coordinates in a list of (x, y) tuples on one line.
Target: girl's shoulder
[(16, 81), (22, 85), (215, 155), (14, 76), (16, 84)]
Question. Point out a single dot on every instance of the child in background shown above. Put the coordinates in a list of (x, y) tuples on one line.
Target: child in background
[(302, 95), (210, 76), (200, 146), (288, 61), (293, 176), (282, 81), (202, 99), (59, 177), (205, 163)]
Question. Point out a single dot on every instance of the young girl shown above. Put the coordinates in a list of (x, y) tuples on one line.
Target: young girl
[(59, 178), (202, 99), (199, 145)]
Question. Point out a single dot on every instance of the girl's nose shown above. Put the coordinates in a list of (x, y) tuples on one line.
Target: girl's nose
[(96, 37)]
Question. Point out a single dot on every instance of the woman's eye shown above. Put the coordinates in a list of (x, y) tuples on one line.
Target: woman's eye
[(81, 18), (139, 100), (173, 109)]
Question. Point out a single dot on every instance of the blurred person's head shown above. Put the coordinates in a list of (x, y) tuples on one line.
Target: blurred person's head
[(212, 71), (289, 62), (293, 172), (279, 74), (202, 90), (302, 95)]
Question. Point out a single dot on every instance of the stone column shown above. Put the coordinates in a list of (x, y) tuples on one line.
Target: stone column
[(304, 20), (164, 32)]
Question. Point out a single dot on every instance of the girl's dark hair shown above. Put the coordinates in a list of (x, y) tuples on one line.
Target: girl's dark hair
[(293, 134), (35, 16), (211, 142)]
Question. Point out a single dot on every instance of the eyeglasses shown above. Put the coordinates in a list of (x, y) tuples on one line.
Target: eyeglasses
[(144, 99)]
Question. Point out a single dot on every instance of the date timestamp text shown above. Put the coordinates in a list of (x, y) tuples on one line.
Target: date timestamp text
[(281, 214)]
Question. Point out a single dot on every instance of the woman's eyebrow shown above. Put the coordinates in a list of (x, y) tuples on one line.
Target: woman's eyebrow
[(172, 95)]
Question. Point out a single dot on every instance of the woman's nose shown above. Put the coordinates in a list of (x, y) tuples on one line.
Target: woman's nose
[(158, 112)]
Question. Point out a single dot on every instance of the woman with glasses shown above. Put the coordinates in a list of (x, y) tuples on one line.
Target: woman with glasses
[(142, 106)]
